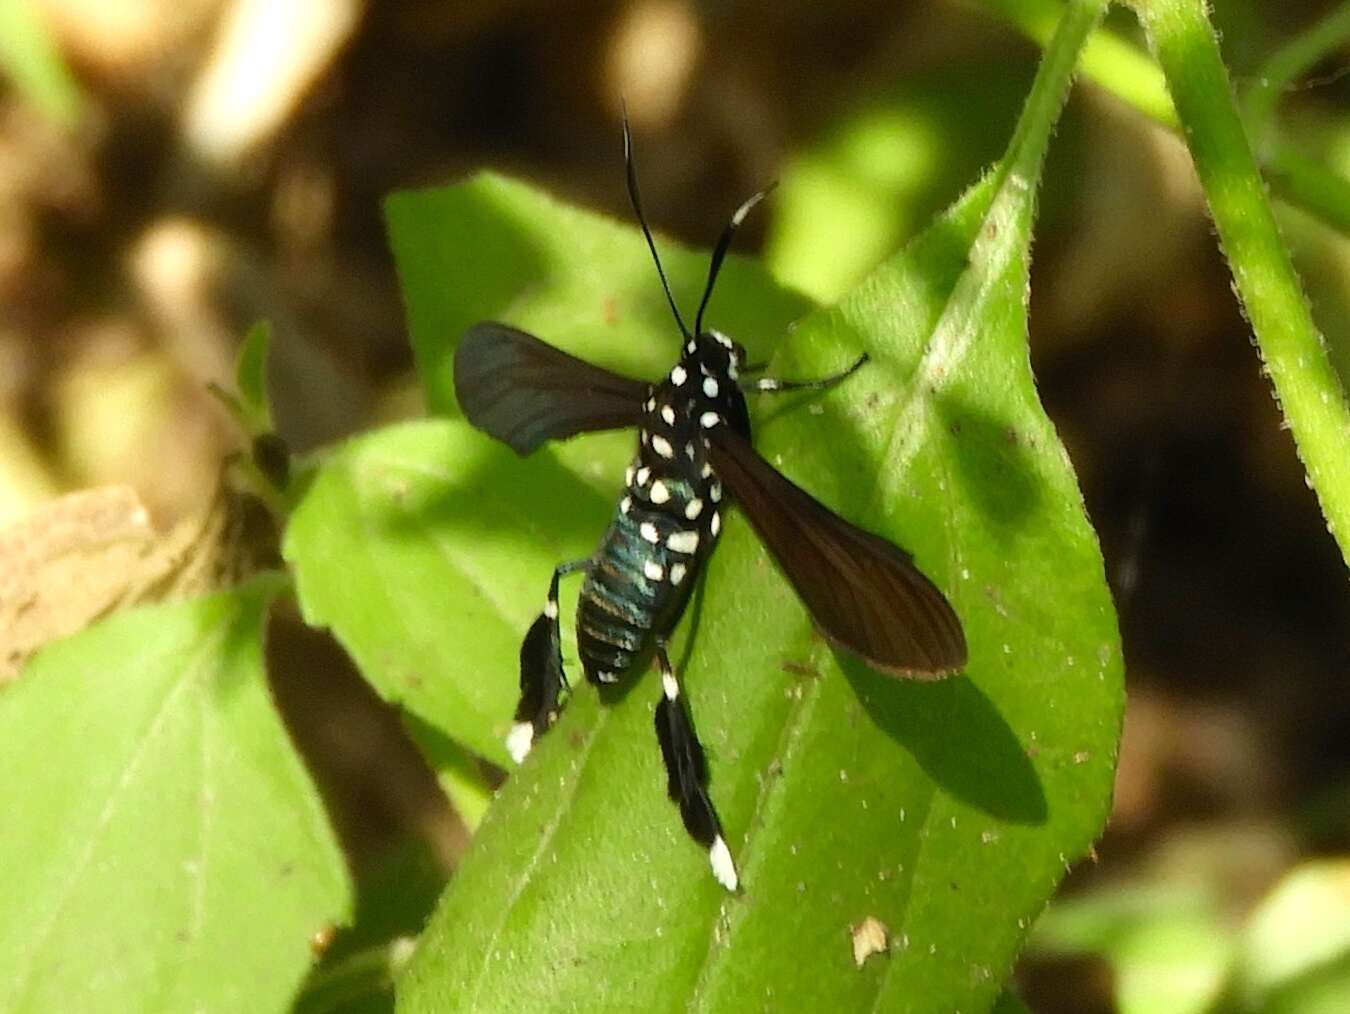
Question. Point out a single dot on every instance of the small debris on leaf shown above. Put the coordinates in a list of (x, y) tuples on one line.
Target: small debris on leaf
[(869, 937)]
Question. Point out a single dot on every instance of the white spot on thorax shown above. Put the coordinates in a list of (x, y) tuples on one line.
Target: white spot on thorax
[(709, 419), (659, 492), (678, 375), (670, 686), (693, 508), (653, 570), (668, 414), (551, 609), (716, 492), (683, 542), (715, 525), (625, 505), (710, 386), (662, 446), (649, 532), (628, 476), (677, 571), (644, 473)]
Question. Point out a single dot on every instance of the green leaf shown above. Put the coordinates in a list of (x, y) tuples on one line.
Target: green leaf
[(1311, 394), (251, 377), (427, 547), (477, 252), (164, 848), (947, 811), (1295, 954), (1169, 944), (29, 57), (1120, 69)]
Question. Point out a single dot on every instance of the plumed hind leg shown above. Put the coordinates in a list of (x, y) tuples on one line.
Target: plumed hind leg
[(687, 774), (543, 684)]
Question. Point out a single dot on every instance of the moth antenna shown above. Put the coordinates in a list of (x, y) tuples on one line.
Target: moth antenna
[(642, 220), (720, 251)]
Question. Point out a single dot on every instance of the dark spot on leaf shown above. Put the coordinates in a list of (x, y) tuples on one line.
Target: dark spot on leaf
[(799, 669)]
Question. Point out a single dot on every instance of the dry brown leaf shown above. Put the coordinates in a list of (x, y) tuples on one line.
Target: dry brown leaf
[(92, 553)]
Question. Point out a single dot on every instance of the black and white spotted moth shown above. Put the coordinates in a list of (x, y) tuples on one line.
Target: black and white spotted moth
[(693, 458)]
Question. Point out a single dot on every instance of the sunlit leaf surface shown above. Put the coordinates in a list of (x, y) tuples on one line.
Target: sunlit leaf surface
[(163, 846)]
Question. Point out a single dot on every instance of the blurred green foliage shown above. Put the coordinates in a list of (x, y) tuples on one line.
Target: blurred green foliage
[(30, 59)]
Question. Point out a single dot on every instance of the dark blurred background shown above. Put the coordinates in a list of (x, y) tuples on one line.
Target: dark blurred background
[(208, 163)]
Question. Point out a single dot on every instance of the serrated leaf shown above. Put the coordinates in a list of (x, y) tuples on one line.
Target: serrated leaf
[(945, 811), (163, 846)]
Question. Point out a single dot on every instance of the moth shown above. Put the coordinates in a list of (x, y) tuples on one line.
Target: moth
[(694, 458)]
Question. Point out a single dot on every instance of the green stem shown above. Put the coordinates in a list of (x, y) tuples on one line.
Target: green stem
[(1107, 61), (1309, 390), (1049, 91), (1118, 68)]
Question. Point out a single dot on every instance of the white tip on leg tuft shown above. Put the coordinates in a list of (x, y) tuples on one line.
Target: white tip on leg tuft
[(723, 867), (519, 740)]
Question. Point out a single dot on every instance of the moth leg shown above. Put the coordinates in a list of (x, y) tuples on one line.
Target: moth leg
[(773, 384), (543, 683), (687, 774)]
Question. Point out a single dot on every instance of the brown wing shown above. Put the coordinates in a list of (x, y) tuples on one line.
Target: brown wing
[(864, 593), (523, 391)]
